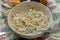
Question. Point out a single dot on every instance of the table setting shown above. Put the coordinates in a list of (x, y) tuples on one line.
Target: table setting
[(53, 33)]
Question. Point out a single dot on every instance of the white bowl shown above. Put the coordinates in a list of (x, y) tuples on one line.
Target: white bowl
[(24, 7)]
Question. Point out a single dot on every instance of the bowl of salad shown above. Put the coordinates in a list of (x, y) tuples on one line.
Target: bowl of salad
[(28, 19)]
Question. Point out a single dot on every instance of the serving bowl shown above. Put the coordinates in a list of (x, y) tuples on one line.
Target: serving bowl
[(24, 7)]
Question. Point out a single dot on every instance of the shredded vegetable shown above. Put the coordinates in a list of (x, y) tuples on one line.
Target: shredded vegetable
[(29, 22)]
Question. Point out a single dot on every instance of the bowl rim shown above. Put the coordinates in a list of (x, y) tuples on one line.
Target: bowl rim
[(27, 2)]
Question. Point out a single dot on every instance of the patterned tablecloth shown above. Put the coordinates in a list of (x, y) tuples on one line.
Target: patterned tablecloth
[(53, 5)]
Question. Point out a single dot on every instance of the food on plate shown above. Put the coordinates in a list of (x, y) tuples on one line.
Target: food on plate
[(14, 2), (29, 22), (43, 1), (7, 11)]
